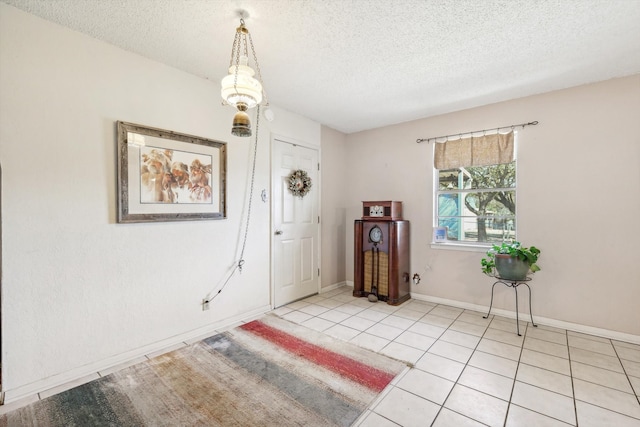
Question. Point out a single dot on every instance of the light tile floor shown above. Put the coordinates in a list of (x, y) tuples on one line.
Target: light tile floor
[(470, 371)]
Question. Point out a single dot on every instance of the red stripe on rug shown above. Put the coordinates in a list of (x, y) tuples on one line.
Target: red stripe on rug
[(371, 377)]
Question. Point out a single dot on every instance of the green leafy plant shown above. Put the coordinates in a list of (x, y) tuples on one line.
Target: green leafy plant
[(529, 255)]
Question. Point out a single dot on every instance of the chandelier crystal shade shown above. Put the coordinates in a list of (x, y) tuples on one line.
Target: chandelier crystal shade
[(240, 88)]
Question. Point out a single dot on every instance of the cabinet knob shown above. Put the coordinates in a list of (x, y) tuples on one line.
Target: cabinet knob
[(278, 232)]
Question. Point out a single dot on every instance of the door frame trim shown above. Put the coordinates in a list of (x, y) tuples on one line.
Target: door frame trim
[(317, 186)]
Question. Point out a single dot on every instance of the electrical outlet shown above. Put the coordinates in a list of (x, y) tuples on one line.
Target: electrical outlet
[(205, 305)]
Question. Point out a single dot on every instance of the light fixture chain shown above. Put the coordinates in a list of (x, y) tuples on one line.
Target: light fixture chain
[(245, 47), (236, 47), (255, 59), (253, 175), (240, 42)]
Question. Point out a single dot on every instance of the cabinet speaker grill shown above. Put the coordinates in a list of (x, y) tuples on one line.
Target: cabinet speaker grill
[(376, 272)]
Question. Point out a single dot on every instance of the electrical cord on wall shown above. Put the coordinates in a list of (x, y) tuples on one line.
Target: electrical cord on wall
[(238, 266)]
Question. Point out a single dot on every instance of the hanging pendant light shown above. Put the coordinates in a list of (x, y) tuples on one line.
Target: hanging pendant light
[(239, 88)]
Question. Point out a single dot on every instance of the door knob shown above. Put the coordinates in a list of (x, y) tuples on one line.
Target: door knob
[(278, 232)]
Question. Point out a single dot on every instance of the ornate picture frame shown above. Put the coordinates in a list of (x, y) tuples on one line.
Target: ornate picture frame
[(169, 176)]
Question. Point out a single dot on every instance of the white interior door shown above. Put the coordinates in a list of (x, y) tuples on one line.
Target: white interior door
[(296, 229)]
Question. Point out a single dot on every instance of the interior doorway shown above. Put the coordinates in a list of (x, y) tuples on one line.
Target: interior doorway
[(295, 224)]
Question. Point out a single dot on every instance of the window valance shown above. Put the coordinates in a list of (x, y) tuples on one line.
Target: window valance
[(475, 151)]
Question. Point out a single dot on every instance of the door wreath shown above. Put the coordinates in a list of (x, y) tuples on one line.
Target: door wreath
[(299, 183)]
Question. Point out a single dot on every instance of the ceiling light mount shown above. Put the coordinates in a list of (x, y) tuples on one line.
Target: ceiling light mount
[(240, 88)]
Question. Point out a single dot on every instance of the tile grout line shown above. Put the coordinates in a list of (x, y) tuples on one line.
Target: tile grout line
[(575, 400), (573, 387), (625, 372), (515, 374), (458, 378), (395, 385), (454, 384)]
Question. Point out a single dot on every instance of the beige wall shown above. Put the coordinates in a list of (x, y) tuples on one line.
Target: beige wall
[(333, 216), (578, 200)]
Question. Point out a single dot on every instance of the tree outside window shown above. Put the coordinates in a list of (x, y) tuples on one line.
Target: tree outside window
[(477, 203)]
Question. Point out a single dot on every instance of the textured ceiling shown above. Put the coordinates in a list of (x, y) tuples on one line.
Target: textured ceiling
[(361, 64)]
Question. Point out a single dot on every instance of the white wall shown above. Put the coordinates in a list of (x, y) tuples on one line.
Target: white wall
[(578, 200), (79, 291)]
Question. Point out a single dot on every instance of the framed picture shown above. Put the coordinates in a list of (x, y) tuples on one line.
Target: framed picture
[(439, 234), (169, 176)]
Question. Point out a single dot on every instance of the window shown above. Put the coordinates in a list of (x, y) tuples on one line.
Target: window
[(477, 204)]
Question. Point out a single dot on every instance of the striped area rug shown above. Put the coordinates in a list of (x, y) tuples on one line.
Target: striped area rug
[(269, 372)]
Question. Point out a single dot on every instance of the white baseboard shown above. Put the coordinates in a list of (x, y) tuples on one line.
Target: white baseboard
[(606, 333), (576, 327), (332, 287), (73, 375)]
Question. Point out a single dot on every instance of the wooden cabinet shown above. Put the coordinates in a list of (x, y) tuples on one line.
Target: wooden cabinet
[(382, 262)]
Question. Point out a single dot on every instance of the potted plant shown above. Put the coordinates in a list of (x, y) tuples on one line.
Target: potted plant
[(512, 261)]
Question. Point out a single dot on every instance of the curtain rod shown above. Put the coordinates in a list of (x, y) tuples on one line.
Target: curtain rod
[(459, 135)]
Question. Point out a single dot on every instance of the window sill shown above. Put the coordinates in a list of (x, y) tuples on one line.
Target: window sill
[(466, 247)]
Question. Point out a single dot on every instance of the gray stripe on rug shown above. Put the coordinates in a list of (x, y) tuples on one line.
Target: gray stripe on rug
[(322, 401), (95, 405)]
